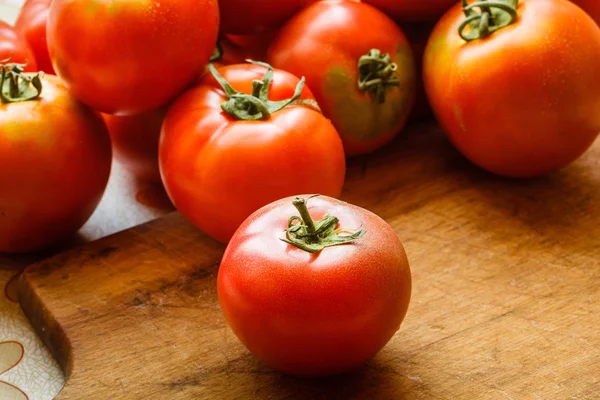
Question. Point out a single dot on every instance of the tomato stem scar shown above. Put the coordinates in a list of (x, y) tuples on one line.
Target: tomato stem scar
[(306, 234), (492, 16), (16, 85), (377, 74), (255, 106)]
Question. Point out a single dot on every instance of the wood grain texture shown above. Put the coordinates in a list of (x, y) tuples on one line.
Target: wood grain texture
[(505, 300)]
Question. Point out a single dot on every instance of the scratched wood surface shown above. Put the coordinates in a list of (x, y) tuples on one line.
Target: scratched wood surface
[(505, 301)]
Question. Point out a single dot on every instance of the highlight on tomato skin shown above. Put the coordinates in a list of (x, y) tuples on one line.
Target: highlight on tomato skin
[(498, 93), (55, 161), (314, 286)]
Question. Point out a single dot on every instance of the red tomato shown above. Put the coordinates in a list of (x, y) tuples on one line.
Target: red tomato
[(130, 56), (342, 45), (313, 314), (592, 7), (413, 10), (135, 142), (55, 160), (248, 17), (525, 100), (31, 25), (219, 168), (14, 49)]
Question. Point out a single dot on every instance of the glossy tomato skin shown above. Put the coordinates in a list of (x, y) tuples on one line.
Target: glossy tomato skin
[(217, 170), (55, 160), (413, 10), (144, 53), (31, 25), (248, 17), (134, 141), (314, 314), (592, 7), (324, 43), (525, 101), (14, 48)]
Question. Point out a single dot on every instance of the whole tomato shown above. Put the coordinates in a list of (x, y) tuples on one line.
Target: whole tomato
[(14, 49), (518, 94), (135, 142), (413, 10), (55, 160), (309, 294), (31, 25), (359, 65), (233, 144), (592, 7), (130, 56), (249, 17)]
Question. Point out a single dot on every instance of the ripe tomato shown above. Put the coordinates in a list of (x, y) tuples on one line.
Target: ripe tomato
[(135, 142), (14, 49), (31, 25), (592, 7), (413, 10), (55, 160), (130, 56), (220, 166), (319, 313), (358, 64), (248, 17), (525, 100), (236, 49)]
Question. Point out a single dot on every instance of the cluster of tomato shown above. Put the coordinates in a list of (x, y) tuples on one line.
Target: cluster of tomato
[(294, 87)]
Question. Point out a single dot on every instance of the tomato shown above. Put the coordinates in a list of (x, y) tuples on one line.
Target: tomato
[(592, 7), (316, 312), (413, 10), (130, 56), (248, 17), (358, 64), (525, 100), (135, 142), (14, 49), (220, 166), (55, 160), (31, 25)]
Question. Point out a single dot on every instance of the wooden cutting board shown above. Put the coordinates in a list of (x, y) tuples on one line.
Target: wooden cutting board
[(506, 300)]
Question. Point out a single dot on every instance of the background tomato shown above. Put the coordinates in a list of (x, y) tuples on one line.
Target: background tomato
[(135, 142), (14, 48), (55, 160), (248, 17), (524, 101), (324, 43), (127, 56), (31, 26), (413, 10), (218, 170), (314, 314), (592, 7), (236, 49)]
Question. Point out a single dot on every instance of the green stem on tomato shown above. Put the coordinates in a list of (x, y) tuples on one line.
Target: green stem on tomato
[(306, 234), (255, 106), (377, 74), (16, 85), (492, 16)]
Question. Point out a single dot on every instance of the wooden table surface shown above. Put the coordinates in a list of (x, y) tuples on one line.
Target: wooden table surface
[(505, 300)]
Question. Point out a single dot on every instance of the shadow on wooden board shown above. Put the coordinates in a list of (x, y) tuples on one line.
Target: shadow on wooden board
[(505, 301)]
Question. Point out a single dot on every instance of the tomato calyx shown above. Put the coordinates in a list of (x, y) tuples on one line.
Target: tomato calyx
[(255, 106), (306, 234), (377, 74), (16, 85), (492, 16)]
